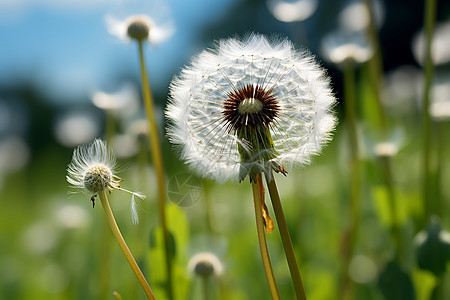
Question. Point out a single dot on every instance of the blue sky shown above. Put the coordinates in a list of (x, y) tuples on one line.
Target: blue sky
[(64, 48)]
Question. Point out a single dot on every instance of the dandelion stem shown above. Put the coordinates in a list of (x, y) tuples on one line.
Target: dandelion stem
[(285, 238), (158, 162), (441, 155), (430, 18), (395, 224), (115, 229), (105, 263), (376, 67), (258, 194), (350, 111), (205, 285)]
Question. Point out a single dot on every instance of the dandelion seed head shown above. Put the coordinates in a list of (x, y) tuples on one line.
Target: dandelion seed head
[(386, 149), (138, 29), (247, 106), (340, 46), (97, 178), (205, 264), (92, 169)]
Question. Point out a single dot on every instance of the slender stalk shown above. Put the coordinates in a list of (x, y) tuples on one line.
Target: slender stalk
[(376, 67), (285, 238), (258, 194), (205, 287), (430, 18), (105, 262), (441, 155), (158, 162), (395, 227), (350, 111), (115, 229)]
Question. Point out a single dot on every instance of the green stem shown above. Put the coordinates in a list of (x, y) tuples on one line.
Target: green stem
[(395, 229), (105, 262), (350, 111), (258, 195), (441, 155), (115, 229), (205, 286), (285, 238), (430, 18), (376, 67), (158, 162)]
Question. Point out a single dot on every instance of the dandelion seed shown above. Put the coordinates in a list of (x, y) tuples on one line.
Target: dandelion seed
[(248, 107), (91, 171)]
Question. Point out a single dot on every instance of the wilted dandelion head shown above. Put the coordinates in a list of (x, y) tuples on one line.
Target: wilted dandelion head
[(92, 171), (249, 106), (205, 264)]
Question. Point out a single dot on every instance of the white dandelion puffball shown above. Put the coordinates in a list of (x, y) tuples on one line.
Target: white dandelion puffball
[(91, 171), (249, 106), (139, 27)]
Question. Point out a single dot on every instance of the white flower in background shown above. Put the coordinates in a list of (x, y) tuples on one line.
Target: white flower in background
[(356, 17), (156, 26), (341, 46), (205, 264), (125, 101), (76, 127), (440, 51), (292, 10), (440, 98), (249, 106), (92, 171)]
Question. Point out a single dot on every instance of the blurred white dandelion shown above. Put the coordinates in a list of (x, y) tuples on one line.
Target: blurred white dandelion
[(356, 17), (156, 26), (440, 52), (440, 98), (91, 171), (205, 264), (292, 10), (124, 102), (340, 46), (249, 106)]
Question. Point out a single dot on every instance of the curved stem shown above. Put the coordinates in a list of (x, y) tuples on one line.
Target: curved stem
[(115, 229), (285, 238), (158, 162), (258, 194)]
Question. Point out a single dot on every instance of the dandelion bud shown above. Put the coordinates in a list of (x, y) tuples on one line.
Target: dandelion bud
[(205, 264), (138, 30)]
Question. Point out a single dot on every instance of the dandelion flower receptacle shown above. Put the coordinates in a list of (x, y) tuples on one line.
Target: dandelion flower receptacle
[(250, 106)]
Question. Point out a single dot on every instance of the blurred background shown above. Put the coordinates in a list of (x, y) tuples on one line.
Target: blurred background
[(64, 79)]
